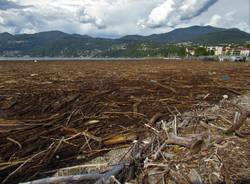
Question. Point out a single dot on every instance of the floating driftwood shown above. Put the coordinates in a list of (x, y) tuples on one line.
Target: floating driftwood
[(69, 113)]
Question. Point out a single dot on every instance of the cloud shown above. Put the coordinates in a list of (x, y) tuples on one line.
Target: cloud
[(228, 21), (115, 18), (171, 13), (193, 8), (159, 15), (22, 20), (86, 18), (5, 5), (111, 18), (215, 20)]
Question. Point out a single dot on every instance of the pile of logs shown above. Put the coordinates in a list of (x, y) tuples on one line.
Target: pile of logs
[(146, 154)]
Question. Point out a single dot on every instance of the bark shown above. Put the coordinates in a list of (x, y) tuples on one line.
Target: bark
[(243, 117), (189, 142), (100, 178)]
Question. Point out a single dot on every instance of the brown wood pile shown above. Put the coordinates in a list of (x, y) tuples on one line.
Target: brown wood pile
[(60, 114)]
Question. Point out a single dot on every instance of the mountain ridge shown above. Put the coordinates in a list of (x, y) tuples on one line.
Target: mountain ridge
[(181, 34), (57, 43)]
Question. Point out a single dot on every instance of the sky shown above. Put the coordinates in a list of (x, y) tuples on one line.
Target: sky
[(116, 18)]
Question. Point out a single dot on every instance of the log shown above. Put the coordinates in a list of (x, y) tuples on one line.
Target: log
[(118, 139), (108, 176), (67, 179), (236, 126), (191, 142), (156, 117), (101, 178), (194, 177), (244, 133), (169, 88), (135, 108)]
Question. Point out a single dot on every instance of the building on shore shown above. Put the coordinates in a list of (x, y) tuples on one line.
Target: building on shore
[(245, 52), (218, 50), (229, 51), (190, 51)]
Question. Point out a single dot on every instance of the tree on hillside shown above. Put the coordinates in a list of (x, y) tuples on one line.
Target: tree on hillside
[(211, 53), (201, 51)]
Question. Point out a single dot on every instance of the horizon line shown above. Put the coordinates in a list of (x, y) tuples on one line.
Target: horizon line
[(113, 38)]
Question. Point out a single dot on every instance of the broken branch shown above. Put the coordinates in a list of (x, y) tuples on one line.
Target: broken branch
[(189, 142)]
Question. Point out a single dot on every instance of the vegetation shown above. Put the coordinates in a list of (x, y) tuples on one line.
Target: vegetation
[(148, 50), (201, 51), (59, 44)]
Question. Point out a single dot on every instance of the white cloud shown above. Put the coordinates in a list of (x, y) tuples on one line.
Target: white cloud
[(85, 18), (215, 20), (171, 13), (113, 18), (159, 15), (110, 18), (228, 21)]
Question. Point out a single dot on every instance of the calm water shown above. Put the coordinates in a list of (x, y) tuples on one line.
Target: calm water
[(63, 59)]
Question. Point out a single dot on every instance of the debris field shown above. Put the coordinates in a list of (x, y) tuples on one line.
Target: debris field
[(176, 120)]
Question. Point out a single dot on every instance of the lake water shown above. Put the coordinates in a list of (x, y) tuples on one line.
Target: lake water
[(65, 59)]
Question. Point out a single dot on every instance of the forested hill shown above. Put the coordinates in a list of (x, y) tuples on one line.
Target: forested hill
[(59, 44)]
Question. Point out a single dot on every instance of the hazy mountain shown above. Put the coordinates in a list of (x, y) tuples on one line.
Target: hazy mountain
[(56, 43)]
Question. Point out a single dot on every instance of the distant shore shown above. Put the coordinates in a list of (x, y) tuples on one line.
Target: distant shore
[(66, 59)]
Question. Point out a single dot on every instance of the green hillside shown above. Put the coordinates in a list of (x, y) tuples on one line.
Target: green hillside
[(59, 44)]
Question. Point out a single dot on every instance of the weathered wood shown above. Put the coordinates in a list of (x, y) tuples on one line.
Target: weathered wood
[(101, 178), (189, 142), (67, 179), (194, 177), (106, 178), (169, 88), (118, 139), (178, 178), (156, 117), (244, 114)]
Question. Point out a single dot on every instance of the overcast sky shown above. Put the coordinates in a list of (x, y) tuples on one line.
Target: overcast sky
[(115, 18)]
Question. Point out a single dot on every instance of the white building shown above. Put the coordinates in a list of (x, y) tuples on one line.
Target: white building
[(191, 51), (218, 51), (245, 52)]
